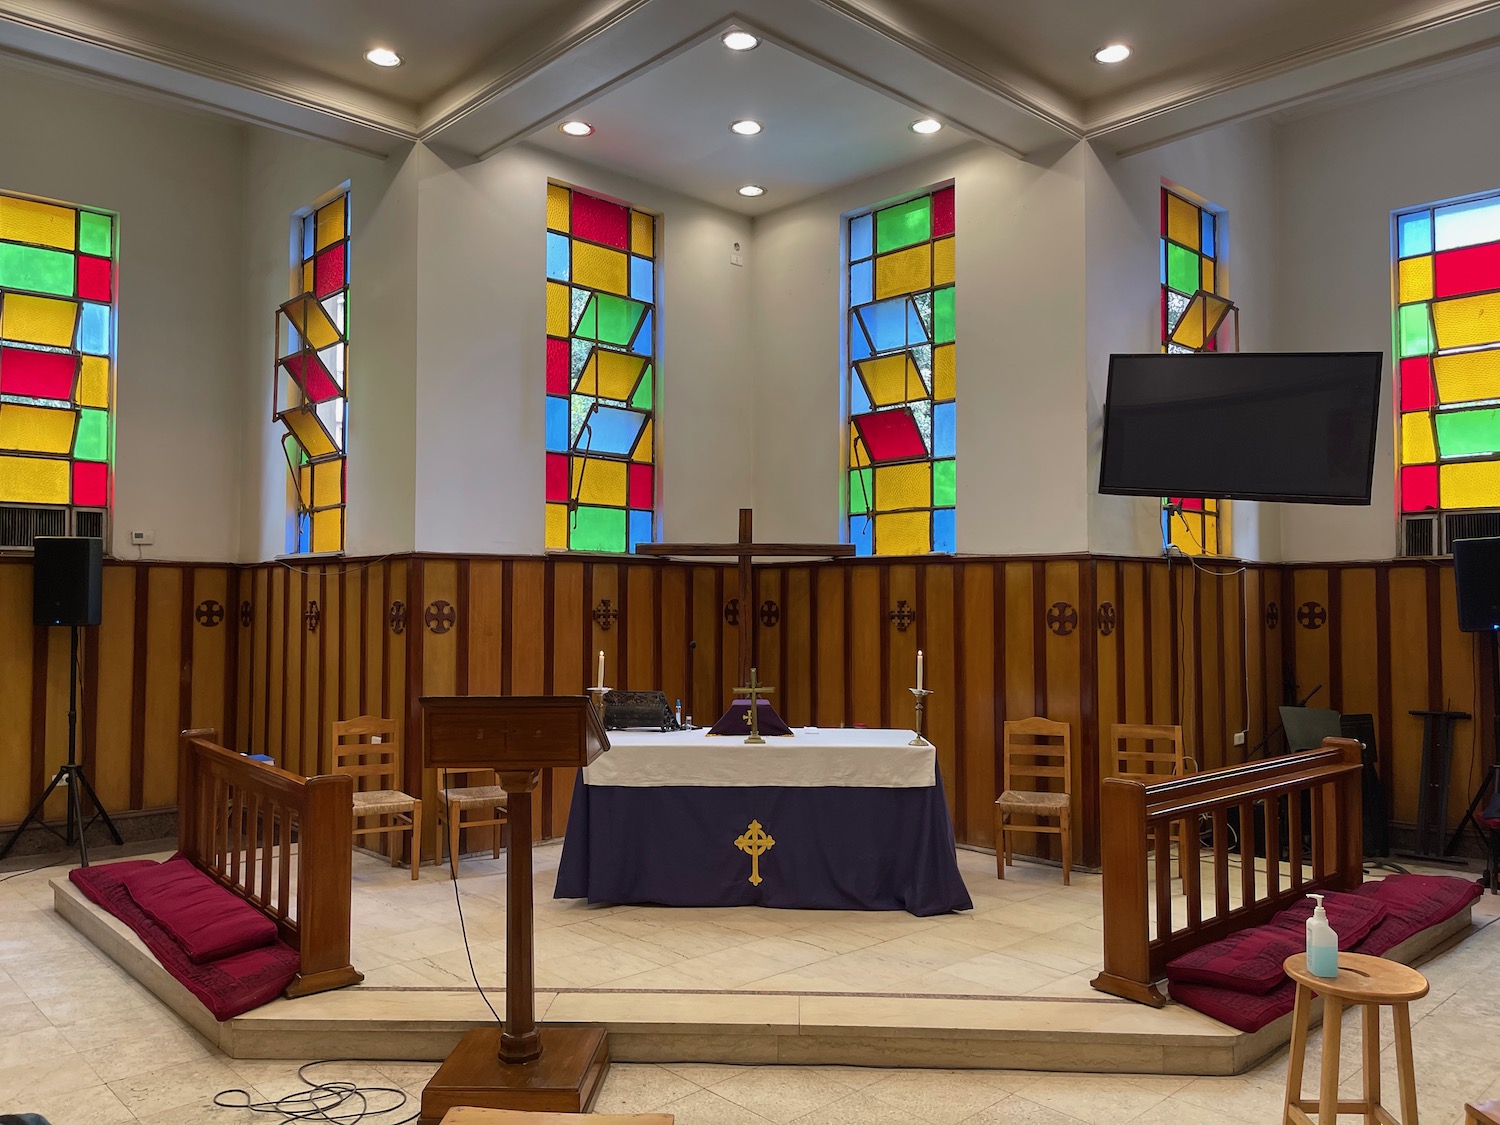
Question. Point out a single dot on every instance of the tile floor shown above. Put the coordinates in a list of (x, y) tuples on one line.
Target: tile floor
[(84, 1045)]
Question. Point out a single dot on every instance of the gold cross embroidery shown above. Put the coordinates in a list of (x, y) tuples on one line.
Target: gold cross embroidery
[(755, 842)]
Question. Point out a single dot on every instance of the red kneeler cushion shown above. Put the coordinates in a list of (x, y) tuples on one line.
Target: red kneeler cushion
[(1352, 916), (1243, 1011), (1413, 903), (207, 920)]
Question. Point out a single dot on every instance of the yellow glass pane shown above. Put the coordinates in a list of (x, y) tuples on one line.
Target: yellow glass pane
[(329, 227), (1209, 275), (858, 456), (1417, 445), (1183, 224), (308, 429), (558, 199), (610, 374), (1467, 376), (33, 480), (643, 444), (1467, 321), (942, 262), (328, 530), (1414, 279), (559, 312), (93, 381), (942, 372), (307, 277), (599, 267), (906, 271), (36, 429), (328, 483), (903, 486), (557, 527), (38, 320), (1475, 484), (1200, 321), (1197, 533), (24, 220), (903, 533), (892, 379), (303, 485), (311, 321), (597, 481), (642, 234)]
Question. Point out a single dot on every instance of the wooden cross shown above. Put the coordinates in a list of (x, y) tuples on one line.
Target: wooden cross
[(744, 552)]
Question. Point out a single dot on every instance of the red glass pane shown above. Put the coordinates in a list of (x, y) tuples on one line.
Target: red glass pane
[(1164, 333), (37, 374), (1416, 384), (95, 279), (1419, 488), (329, 275), (1164, 212), (1473, 269), (891, 435), (641, 490), (91, 483), (599, 221), (1187, 503), (315, 380), (557, 366), (942, 212), (557, 477)]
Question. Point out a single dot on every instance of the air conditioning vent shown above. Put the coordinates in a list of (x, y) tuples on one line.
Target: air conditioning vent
[(1419, 536), (89, 522), (1469, 525), (19, 526)]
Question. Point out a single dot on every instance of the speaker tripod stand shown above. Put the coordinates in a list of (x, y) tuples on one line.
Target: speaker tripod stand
[(69, 775)]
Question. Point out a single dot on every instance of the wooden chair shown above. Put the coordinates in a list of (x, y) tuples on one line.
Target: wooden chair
[(370, 748), (1036, 748), (486, 803), (1152, 764)]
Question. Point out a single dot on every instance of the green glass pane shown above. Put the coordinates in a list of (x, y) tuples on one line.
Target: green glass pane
[(1182, 269), (95, 234), (1416, 332), (92, 440), (905, 224), (598, 529), (861, 489), (618, 318), (36, 269), (942, 306), (585, 313), (641, 400), (1467, 432), (944, 484)]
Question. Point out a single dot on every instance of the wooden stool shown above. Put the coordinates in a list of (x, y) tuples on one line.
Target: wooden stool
[(1369, 982), (1482, 1113)]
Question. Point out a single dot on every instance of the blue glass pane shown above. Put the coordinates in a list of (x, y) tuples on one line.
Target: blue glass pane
[(861, 534), (640, 528), (557, 424), (944, 429), (1163, 245), (859, 346), (612, 430), (918, 330), (859, 401), (1467, 224), (642, 280), (93, 329), (1208, 234), (557, 256), (1414, 234), (861, 283), (309, 226), (304, 533), (861, 244), (886, 322), (643, 337), (944, 531)]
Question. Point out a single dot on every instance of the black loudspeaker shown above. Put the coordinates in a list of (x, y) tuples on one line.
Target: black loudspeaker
[(1476, 570), (67, 580)]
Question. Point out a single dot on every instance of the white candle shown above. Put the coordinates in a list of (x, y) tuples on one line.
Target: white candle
[(919, 669), (601, 669)]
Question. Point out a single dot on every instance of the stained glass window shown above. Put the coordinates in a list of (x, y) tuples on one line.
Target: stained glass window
[(312, 393), (1190, 261), (601, 362), (57, 344), (1447, 332), (902, 416)]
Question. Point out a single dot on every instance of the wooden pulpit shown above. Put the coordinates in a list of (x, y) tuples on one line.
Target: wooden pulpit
[(518, 1066)]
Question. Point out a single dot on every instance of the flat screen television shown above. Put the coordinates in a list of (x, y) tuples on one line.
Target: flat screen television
[(1291, 427)]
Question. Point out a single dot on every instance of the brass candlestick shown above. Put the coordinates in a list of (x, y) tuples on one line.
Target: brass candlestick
[(921, 694), (599, 693)]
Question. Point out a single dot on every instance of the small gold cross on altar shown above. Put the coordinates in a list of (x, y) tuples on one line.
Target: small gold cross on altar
[(754, 691), (755, 842)]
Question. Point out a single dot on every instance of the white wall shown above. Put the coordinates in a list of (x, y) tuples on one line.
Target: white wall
[(1339, 177), (175, 178), (1020, 385)]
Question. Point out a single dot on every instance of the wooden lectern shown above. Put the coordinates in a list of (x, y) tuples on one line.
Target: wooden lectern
[(519, 1066)]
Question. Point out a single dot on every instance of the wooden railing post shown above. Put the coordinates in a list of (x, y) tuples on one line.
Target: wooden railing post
[(1127, 932), (324, 885)]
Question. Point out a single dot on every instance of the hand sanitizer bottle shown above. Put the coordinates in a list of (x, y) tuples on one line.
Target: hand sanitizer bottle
[(678, 714), (1322, 943)]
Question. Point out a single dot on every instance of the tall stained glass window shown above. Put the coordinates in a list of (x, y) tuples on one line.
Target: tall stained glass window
[(57, 342), (601, 353), (312, 393), (902, 485), (1447, 330), (1190, 262)]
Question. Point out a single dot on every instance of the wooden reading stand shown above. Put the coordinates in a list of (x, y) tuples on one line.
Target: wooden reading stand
[(519, 1066)]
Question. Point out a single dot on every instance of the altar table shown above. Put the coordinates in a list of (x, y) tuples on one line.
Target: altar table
[(832, 819)]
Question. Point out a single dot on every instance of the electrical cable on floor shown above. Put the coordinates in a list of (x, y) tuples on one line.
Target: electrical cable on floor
[(34, 870), (335, 1100), (463, 930)]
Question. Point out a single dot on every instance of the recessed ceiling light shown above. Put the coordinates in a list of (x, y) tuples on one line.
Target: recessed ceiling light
[(925, 126), (750, 191), (383, 56), (739, 41), (577, 128), (745, 128), (1115, 52)]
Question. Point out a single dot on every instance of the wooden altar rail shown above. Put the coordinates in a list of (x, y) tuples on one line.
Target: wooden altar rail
[(278, 840), (1137, 822)]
